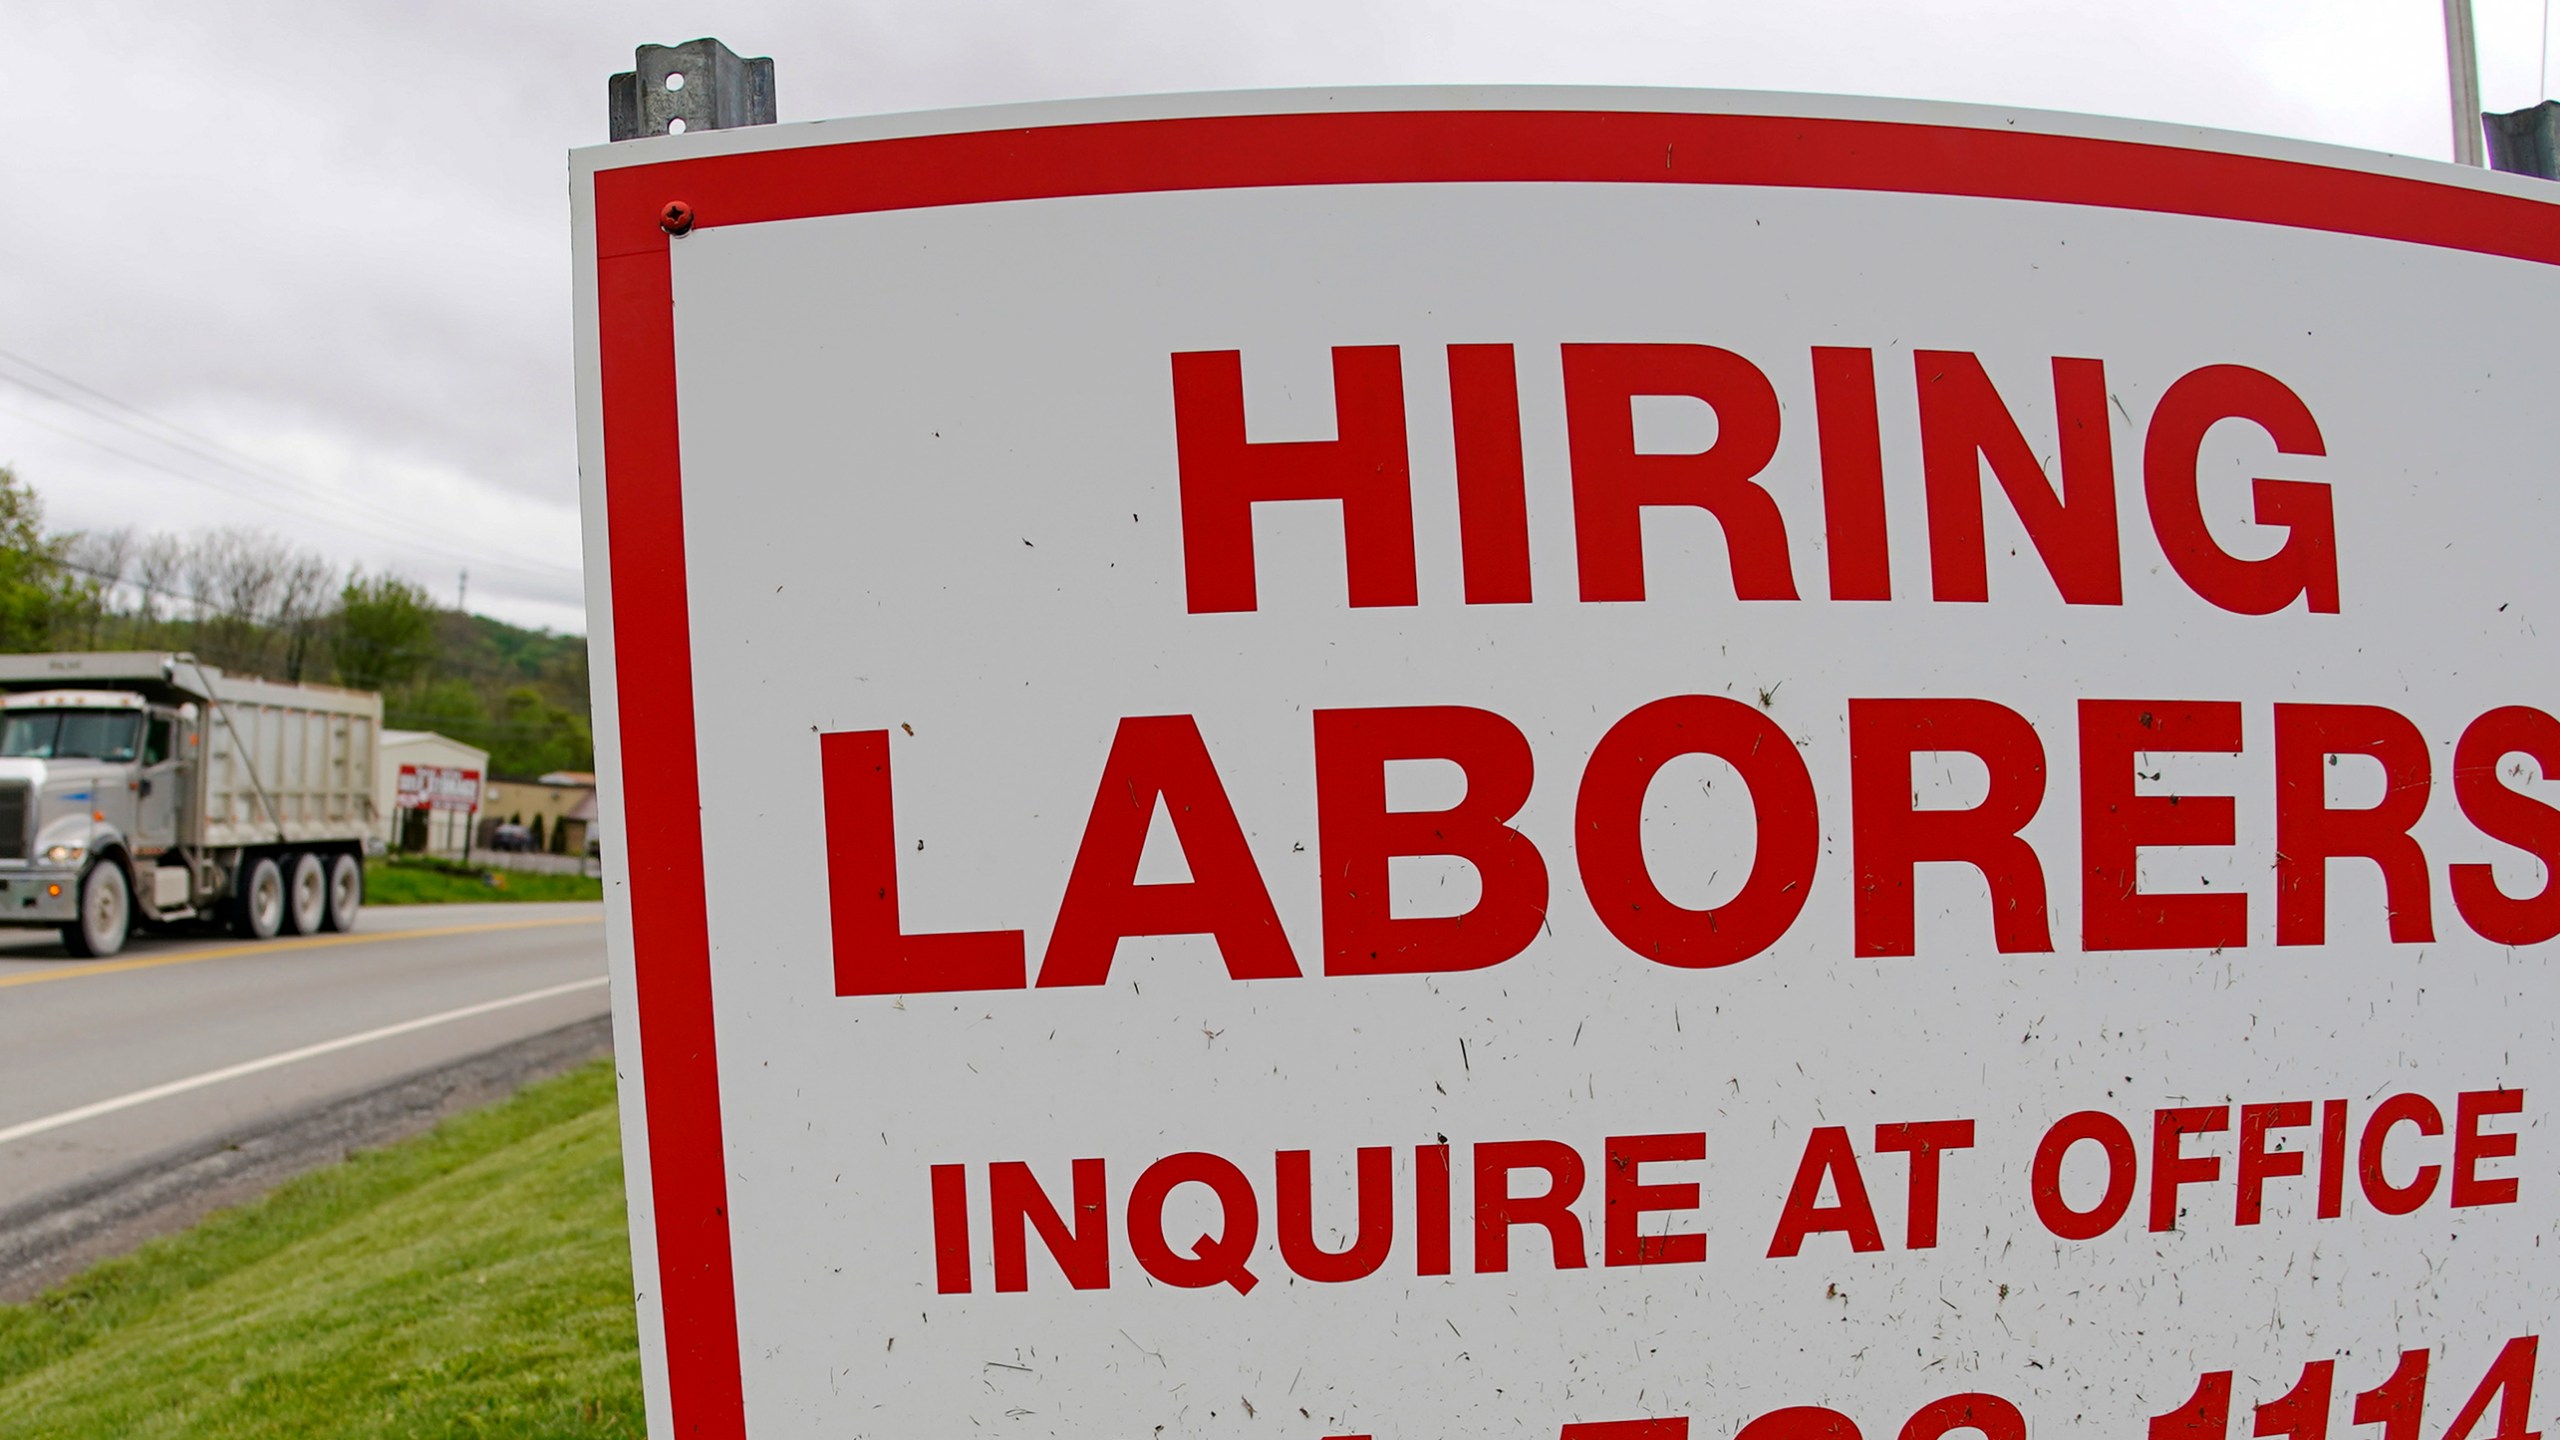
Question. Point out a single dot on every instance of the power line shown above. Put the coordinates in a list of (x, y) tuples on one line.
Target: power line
[(201, 446), (214, 452), (194, 478), (128, 455), (114, 580)]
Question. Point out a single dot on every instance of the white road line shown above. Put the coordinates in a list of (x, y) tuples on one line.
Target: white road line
[(285, 1057)]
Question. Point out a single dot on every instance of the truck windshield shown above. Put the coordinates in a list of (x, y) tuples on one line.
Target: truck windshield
[(72, 734)]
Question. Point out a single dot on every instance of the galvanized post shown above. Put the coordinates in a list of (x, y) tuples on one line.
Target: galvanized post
[(2526, 142), (699, 85)]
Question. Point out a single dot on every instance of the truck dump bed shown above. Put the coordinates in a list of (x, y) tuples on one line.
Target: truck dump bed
[(280, 761), (308, 750)]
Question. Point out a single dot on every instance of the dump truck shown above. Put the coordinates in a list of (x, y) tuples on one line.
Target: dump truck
[(142, 788)]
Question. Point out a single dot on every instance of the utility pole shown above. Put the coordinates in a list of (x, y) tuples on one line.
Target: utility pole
[(462, 594), (2462, 81)]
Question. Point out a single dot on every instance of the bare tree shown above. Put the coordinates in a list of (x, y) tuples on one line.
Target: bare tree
[(304, 590), (238, 577), (98, 562), (159, 575)]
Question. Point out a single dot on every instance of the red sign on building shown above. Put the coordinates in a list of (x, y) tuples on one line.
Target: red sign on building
[(438, 787)]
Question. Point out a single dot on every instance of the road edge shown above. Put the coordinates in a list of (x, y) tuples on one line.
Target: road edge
[(52, 1237)]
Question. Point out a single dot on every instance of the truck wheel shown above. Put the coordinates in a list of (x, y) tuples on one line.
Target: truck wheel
[(257, 913), (308, 900), (346, 893), (106, 912)]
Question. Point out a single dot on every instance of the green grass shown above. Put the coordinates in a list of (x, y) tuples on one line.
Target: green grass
[(413, 882), (475, 1281)]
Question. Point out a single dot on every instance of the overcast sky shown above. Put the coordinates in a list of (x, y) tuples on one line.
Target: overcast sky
[(331, 243)]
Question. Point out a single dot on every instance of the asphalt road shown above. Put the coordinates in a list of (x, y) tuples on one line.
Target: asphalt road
[(105, 1064)]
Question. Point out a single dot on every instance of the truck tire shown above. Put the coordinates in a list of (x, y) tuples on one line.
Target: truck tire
[(106, 913), (257, 912), (307, 898), (346, 893)]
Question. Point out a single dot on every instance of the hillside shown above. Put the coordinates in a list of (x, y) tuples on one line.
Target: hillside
[(253, 604)]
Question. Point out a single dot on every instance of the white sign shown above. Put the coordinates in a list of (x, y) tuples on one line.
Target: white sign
[(1586, 765), (438, 787)]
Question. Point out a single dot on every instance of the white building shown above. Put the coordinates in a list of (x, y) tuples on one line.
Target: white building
[(427, 792)]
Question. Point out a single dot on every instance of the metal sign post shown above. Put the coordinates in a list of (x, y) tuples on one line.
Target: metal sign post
[(683, 89), (1584, 764)]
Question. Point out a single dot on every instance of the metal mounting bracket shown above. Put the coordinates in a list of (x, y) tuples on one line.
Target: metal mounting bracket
[(699, 85), (2526, 142)]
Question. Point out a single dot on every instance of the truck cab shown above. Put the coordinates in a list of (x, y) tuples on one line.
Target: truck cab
[(89, 776)]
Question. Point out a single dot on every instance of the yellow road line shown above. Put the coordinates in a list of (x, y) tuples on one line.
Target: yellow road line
[(309, 942)]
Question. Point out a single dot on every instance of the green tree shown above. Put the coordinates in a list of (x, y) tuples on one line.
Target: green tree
[(32, 589), (385, 632), (451, 708), (535, 735)]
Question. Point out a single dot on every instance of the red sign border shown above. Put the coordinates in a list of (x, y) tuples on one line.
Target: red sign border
[(644, 485)]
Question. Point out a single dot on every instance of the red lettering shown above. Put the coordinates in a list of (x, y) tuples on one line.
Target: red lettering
[(950, 1188), (1801, 1422), (2398, 1403), (2403, 1109), (2171, 1167), (2333, 1159), (1296, 1218), (1613, 483), (2205, 1415), (2045, 1177), (1626, 1200), (1356, 835), (1963, 424), (1609, 819), (1082, 1250), (2309, 834), (2307, 564), (1893, 837), (874, 955), (1214, 1259), (2510, 1379), (1493, 490), (2471, 1146), (1924, 1141), (2257, 1163), (2116, 821), (1498, 1210), (1994, 1417), (1853, 514), (1161, 757), (1828, 1155), (1431, 1209), (2510, 816), (2303, 1411), (1223, 476)]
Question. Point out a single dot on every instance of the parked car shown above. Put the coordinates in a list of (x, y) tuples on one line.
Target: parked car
[(511, 836)]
